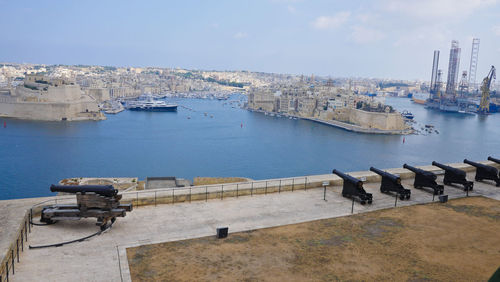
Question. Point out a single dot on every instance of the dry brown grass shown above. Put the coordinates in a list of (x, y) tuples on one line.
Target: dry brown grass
[(217, 180), (457, 241)]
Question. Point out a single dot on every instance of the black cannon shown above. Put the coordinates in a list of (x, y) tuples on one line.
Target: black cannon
[(102, 202), (392, 183), (425, 178), (494, 160), (353, 188), (484, 172), (455, 175), (103, 190)]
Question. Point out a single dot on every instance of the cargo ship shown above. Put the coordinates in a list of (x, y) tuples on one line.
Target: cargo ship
[(420, 97)]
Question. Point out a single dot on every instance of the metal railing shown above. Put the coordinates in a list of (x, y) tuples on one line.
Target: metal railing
[(7, 267), (216, 191)]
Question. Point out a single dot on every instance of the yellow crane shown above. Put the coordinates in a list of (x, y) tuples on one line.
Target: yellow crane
[(484, 107)]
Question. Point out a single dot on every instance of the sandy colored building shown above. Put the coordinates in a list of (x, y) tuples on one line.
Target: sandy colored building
[(42, 98)]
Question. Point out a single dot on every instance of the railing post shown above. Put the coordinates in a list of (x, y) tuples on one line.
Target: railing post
[(206, 193), (222, 193), (237, 186), (7, 270), (31, 219), (352, 207), (251, 190), (395, 202), (265, 191), (155, 198), (22, 242), (137, 199), (17, 248), (293, 183), (305, 184), (173, 195), (190, 193), (12, 257), (279, 188)]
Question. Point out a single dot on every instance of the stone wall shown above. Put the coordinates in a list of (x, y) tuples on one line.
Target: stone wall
[(81, 110), (383, 121)]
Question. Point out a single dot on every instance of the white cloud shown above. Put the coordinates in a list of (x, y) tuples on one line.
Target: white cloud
[(363, 35), (437, 34), (436, 9), (325, 22), (496, 30), (367, 17), (240, 35)]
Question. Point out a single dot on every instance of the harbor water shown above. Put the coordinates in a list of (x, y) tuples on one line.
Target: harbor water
[(226, 141)]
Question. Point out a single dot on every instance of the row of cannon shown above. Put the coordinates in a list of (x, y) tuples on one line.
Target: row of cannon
[(425, 180)]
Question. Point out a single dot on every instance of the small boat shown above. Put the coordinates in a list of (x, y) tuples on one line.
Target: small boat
[(407, 115)]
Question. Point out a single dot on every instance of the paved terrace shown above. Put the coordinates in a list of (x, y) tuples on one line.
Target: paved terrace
[(103, 258)]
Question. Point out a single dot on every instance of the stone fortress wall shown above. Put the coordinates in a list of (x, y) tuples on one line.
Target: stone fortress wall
[(41, 98)]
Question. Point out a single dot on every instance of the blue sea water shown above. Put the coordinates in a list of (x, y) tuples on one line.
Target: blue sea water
[(235, 142)]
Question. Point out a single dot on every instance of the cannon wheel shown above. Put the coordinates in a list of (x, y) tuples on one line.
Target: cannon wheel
[(362, 202)]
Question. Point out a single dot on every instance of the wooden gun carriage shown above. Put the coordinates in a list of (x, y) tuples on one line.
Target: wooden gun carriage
[(99, 201)]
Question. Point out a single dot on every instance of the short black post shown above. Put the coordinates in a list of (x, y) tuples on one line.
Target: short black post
[(31, 219), (22, 241), (352, 207), (206, 193), (190, 190), (222, 193), (279, 189), (265, 191), (137, 199), (467, 192), (12, 256), (25, 234), (173, 195), (293, 183), (305, 184), (17, 249), (237, 189), (433, 195), (396, 201), (251, 190), (7, 270), (324, 192), (155, 198)]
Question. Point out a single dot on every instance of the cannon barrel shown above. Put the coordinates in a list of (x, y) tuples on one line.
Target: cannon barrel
[(414, 169), (494, 160), (347, 177), (103, 190), (382, 173), (445, 167), (474, 164)]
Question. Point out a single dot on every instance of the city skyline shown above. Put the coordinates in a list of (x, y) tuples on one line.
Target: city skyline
[(382, 39)]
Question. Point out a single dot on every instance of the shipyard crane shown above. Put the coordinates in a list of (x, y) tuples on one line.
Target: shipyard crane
[(484, 107)]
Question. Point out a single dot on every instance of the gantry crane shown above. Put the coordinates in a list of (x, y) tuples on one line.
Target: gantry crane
[(484, 107)]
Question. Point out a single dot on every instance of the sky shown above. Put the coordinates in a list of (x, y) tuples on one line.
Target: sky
[(372, 39)]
